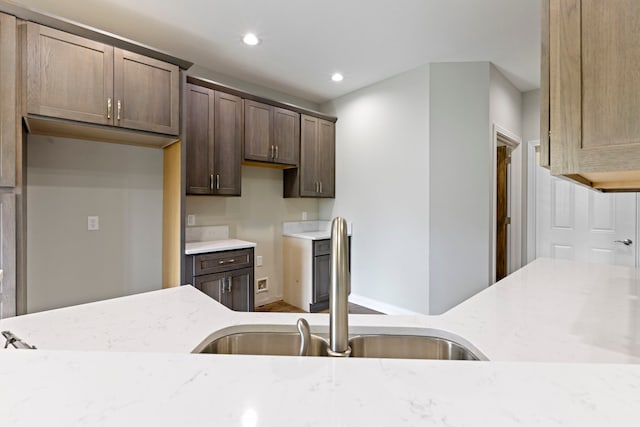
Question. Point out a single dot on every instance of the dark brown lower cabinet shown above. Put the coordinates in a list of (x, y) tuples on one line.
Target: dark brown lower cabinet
[(229, 285), (322, 274)]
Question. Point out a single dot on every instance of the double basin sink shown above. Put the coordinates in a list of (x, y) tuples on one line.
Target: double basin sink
[(386, 343)]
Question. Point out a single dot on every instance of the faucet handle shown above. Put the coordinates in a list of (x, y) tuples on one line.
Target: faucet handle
[(305, 336)]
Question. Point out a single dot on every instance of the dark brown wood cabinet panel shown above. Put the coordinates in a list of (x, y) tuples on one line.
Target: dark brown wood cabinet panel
[(69, 77), (146, 93), (212, 285), (316, 175), (73, 78), (216, 262), (240, 295), (214, 142), (286, 136), (226, 276), (326, 158), (271, 134), (258, 119), (321, 278), (308, 151), (199, 134), (8, 91), (227, 151)]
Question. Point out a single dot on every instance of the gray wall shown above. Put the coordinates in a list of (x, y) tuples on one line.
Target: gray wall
[(69, 180), (382, 138), (530, 132), (460, 182)]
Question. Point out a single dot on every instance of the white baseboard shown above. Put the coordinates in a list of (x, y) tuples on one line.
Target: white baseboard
[(380, 306)]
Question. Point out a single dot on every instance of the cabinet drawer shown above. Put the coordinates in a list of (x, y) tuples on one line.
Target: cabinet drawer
[(321, 247), (222, 261)]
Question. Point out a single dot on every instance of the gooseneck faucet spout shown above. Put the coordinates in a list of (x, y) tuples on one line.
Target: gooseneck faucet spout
[(339, 290)]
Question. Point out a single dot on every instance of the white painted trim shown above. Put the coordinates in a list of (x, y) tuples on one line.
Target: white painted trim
[(531, 200), (514, 141), (380, 306)]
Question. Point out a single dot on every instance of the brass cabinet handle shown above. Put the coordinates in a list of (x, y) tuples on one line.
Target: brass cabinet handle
[(108, 108), (119, 109)]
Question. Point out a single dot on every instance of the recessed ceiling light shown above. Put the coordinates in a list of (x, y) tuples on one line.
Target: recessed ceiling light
[(337, 77), (250, 39)]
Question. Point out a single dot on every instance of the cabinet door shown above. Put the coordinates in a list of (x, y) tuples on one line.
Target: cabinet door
[(147, 93), (214, 285), (69, 77), (240, 290), (594, 63), (286, 136), (199, 134), (8, 114), (8, 255), (321, 280), (308, 151), (326, 158), (258, 144), (227, 150)]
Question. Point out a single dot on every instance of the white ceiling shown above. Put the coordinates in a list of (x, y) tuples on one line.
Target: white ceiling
[(305, 41)]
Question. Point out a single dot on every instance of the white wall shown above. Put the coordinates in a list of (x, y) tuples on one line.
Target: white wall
[(530, 132), (460, 182), (382, 186), (68, 180), (256, 216)]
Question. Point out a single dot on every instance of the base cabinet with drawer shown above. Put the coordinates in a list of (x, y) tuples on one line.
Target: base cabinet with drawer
[(307, 272), (227, 277)]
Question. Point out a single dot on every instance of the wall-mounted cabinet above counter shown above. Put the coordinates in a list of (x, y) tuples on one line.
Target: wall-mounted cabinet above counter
[(271, 134), (70, 77), (589, 92)]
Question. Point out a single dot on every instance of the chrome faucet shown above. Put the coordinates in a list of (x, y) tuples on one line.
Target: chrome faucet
[(339, 290)]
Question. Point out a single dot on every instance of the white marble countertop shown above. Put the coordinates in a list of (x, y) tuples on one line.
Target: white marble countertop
[(193, 248), (587, 316), (310, 230)]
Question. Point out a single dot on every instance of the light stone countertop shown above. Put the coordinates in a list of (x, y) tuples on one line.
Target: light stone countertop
[(587, 316), (194, 248), (310, 230)]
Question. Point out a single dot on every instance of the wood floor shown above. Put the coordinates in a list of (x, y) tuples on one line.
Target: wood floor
[(283, 307)]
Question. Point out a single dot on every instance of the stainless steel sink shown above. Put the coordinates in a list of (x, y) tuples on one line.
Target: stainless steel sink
[(409, 347), (276, 340), (263, 343)]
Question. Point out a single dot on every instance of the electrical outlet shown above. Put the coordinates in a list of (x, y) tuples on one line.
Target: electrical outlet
[(93, 223), (191, 219), (259, 261), (304, 216)]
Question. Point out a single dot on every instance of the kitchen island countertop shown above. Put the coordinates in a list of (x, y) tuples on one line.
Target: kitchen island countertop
[(587, 317)]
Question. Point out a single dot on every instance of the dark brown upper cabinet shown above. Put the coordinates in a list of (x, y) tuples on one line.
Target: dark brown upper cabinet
[(316, 175), (271, 134), (589, 92), (9, 123), (70, 77), (214, 142)]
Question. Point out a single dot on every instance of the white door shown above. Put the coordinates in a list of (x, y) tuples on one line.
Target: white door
[(576, 223)]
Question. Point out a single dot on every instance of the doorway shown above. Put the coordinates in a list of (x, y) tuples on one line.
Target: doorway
[(503, 161), (506, 205)]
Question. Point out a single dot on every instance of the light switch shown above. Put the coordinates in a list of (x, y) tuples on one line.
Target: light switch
[(259, 261), (93, 223), (304, 216), (191, 219)]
